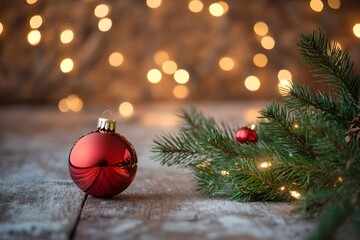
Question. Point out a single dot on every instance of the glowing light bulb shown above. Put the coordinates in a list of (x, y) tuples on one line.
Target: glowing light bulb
[(334, 4), (267, 42), (261, 28), (154, 76), (226, 63), (295, 194), (1, 27), (224, 173), (356, 30), (101, 10), (252, 83), (316, 5), (265, 165), (34, 37), (284, 74), (340, 179), (31, 1), (284, 87), (66, 65), (35, 21), (160, 57), (216, 9), (66, 36), (180, 91), (195, 6), (282, 188), (169, 67), (153, 3), (126, 109), (296, 126), (181, 76), (260, 60), (116, 59), (104, 24)]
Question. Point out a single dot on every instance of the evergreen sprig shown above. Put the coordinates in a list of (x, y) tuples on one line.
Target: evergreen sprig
[(301, 152)]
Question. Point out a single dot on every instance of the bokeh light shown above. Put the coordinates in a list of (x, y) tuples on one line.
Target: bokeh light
[(104, 24), (181, 76), (226, 63), (154, 75), (356, 30), (224, 5), (316, 5), (284, 74), (116, 59), (267, 42), (71, 102), (101, 10), (180, 91), (195, 6), (31, 1), (216, 9), (260, 60), (284, 86), (126, 109), (153, 3), (334, 4), (169, 67), (35, 21), (66, 36), (261, 28), (252, 83), (160, 57), (66, 65), (34, 37), (1, 27)]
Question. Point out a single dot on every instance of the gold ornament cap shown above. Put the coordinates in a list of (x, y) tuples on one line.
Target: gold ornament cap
[(106, 124)]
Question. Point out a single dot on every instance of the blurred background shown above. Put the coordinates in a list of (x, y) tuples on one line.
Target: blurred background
[(74, 54)]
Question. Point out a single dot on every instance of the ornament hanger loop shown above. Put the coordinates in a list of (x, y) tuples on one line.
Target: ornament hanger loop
[(106, 112)]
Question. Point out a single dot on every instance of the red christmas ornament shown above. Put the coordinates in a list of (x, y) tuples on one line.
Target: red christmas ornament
[(247, 134), (103, 163)]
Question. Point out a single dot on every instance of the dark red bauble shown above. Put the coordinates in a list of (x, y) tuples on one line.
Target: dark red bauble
[(103, 163), (246, 135)]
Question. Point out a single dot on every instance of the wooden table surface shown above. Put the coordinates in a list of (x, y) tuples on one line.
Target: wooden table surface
[(38, 199)]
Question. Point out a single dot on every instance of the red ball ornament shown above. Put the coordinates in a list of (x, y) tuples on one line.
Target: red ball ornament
[(103, 163), (247, 134)]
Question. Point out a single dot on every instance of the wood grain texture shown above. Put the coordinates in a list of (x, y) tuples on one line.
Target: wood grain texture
[(38, 199)]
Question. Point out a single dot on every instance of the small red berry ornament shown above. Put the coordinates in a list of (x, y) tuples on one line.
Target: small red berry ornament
[(247, 134), (103, 163)]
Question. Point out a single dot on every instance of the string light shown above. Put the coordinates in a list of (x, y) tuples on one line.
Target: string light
[(169, 67), (340, 179), (101, 10), (252, 83), (104, 24), (267, 42), (126, 109), (284, 74), (1, 27), (181, 76), (71, 102), (261, 28), (66, 36), (224, 173), (34, 37), (260, 60), (195, 6), (334, 4), (153, 3), (226, 63), (31, 1), (116, 59), (296, 125), (282, 188), (284, 87), (160, 57), (35, 21), (356, 30), (180, 91), (295, 194), (316, 5), (265, 165), (216, 9), (66, 65), (154, 75)]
